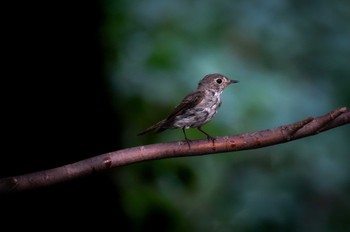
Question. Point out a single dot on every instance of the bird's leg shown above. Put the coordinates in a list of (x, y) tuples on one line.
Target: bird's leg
[(187, 140), (208, 136)]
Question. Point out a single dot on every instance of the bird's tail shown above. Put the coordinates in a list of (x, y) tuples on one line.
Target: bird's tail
[(156, 127)]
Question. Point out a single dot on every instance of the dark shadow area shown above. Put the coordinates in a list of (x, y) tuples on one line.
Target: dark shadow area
[(56, 110)]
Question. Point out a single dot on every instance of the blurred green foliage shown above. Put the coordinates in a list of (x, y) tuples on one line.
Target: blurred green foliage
[(292, 60)]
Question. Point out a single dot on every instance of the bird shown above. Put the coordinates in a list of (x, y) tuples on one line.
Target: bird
[(196, 108)]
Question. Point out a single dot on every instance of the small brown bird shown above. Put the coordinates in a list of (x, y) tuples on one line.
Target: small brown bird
[(197, 108)]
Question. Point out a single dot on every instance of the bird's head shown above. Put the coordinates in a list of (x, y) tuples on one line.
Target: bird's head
[(215, 81)]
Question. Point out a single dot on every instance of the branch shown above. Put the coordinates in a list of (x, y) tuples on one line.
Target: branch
[(282, 134)]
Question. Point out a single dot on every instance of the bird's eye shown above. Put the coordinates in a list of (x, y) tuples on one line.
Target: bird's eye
[(219, 81)]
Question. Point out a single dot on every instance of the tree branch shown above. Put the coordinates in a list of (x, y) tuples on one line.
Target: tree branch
[(282, 134)]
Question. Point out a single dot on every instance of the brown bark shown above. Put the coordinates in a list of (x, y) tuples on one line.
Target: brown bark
[(253, 140)]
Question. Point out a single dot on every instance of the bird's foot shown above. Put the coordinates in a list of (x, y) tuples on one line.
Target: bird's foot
[(188, 141), (211, 138)]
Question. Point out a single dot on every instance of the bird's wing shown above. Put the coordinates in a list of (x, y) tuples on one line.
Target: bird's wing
[(189, 101)]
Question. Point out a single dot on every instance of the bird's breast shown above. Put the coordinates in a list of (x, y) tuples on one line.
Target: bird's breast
[(212, 100), (200, 114)]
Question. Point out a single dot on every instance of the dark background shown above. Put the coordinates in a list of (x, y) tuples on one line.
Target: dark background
[(55, 110)]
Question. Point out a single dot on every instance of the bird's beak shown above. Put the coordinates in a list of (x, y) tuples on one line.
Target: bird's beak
[(233, 81)]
